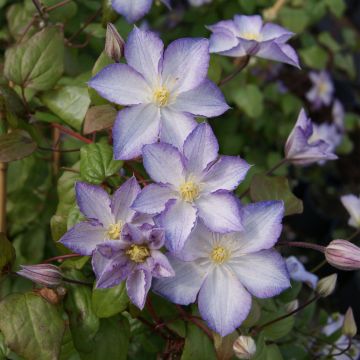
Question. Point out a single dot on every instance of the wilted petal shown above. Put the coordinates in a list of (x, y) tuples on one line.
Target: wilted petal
[(352, 205), (205, 100), (138, 285), (134, 127), (164, 164), (123, 198), (152, 198), (223, 302), (226, 174), (162, 267), (184, 286), (220, 212), (279, 52), (143, 52), (121, 84), (263, 273), (200, 148), (178, 220), (132, 10), (186, 62), (175, 127), (94, 202)]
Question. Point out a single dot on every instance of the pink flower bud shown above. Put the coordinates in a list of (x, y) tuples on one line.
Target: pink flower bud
[(343, 255), (43, 274)]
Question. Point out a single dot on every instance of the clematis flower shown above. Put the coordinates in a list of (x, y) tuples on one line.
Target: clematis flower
[(304, 147), (322, 91), (44, 274), (134, 10), (338, 114), (298, 272), (352, 205), (222, 271), (106, 216), (164, 91), (136, 257), (195, 183), (327, 132), (247, 35)]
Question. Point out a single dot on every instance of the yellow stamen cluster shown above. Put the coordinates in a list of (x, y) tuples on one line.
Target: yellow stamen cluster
[(219, 254), (323, 88), (161, 96), (189, 191), (114, 231), (138, 253), (250, 36)]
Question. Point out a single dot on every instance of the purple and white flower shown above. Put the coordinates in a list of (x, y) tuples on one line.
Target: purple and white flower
[(322, 90), (222, 271), (338, 114), (106, 216), (164, 91), (136, 257), (134, 10), (327, 132), (195, 183), (248, 35), (44, 274), (298, 272), (304, 147), (352, 205)]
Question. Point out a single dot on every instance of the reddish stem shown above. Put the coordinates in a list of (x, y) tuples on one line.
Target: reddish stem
[(61, 257), (71, 133)]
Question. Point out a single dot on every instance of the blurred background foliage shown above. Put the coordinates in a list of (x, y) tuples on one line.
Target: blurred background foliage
[(56, 53)]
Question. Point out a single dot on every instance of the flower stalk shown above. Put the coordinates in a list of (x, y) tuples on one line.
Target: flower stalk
[(243, 62)]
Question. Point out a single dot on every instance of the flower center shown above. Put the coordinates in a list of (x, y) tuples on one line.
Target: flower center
[(138, 253), (219, 254), (250, 36), (323, 88), (161, 96), (189, 191), (114, 230)]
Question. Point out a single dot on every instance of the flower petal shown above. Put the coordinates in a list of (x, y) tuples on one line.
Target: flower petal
[(262, 226), (175, 127), (223, 36), (83, 238), (200, 148), (248, 24), (178, 220), (279, 52), (223, 302), (143, 52), (94, 202), (275, 32), (264, 273), (120, 84), (205, 100), (186, 62), (226, 173), (138, 285), (220, 211), (298, 272), (123, 198), (352, 205), (134, 127), (152, 199), (164, 163), (132, 10), (162, 267), (184, 286)]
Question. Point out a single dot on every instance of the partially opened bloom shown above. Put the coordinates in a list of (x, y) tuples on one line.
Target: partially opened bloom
[(44, 274), (106, 216), (352, 205), (222, 271), (195, 183), (304, 147), (247, 35), (298, 272), (136, 257), (322, 89), (164, 91)]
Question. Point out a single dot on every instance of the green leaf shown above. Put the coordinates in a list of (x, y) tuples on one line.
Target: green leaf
[(273, 352), (197, 345), (314, 57), (295, 20), (275, 188), (337, 7), (345, 62), (96, 162), (74, 217), (327, 40), (7, 251), (18, 17), (99, 118), (250, 99), (62, 13), (280, 328), (37, 63), (111, 341), (70, 103), (109, 302), (33, 328), (16, 145)]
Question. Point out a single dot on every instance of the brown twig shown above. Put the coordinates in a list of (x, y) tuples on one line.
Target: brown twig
[(71, 133), (56, 6), (302, 245), (61, 258), (3, 167), (243, 61)]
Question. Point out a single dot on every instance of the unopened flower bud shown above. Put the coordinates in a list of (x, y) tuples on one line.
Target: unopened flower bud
[(326, 285), (292, 305), (114, 43), (43, 274), (343, 255), (244, 347), (349, 327)]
